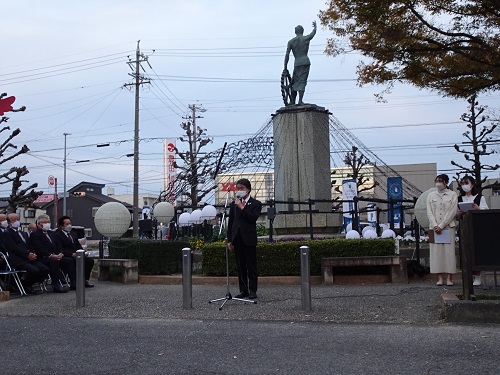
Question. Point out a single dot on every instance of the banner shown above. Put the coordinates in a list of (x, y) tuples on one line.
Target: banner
[(349, 191), (169, 168), (395, 191), (371, 213)]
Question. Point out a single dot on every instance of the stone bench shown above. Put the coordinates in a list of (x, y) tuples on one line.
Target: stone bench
[(397, 266), (129, 269)]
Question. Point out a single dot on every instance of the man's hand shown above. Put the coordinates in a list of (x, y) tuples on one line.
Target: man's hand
[(239, 203), (314, 24), (230, 246), (32, 256)]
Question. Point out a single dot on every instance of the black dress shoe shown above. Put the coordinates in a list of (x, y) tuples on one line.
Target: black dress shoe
[(59, 289), (88, 284), (252, 295), (241, 295)]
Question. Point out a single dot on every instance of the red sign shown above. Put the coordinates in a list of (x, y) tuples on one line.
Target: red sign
[(45, 198), (52, 180), (6, 104)]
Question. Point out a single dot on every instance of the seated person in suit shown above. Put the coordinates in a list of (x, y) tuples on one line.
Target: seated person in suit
[(44, 244), (69, 244), (21, 256)]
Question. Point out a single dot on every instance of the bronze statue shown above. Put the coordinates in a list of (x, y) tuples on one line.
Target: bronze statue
[(299, 46)]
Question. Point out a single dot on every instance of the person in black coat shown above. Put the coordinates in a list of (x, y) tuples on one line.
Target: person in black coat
[(69, 244), (21, 255), (242, 237), (44, 244)]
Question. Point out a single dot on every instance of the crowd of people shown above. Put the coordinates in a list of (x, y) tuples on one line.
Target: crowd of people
[(42, 253)]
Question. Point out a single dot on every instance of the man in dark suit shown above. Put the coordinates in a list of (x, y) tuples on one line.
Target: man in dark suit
[(242, 237), (21, 256), (44, 244), (69, 244)]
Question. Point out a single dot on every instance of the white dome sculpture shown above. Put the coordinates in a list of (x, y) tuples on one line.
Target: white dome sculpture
[(348, 227), (112, 219), (388, 233), (184, 219), (352, 234), (208, 212), (421, 208), (367, 229), (163, 212), (370, 234), (196, 217)]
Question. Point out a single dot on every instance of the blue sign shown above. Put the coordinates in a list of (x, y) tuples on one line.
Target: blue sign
[(395, 191)]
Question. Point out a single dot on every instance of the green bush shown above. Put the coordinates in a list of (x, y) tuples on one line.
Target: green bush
[(155, 257), (283, 258)]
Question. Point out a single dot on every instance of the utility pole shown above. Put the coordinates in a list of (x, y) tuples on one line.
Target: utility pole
[(139, 80), (193, 150), (64, 191)]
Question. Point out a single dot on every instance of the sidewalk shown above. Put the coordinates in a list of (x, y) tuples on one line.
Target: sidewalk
[(417, 302)]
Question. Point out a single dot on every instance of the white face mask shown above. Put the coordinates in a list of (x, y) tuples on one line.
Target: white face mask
[(440, 186), (46, 227), (466, 188), (240, 194), (15, 224), (4, 224), (67, 228)]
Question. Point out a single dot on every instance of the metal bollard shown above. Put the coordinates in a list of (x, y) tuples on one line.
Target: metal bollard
[(305, 278), (187, 289), (80, 278)]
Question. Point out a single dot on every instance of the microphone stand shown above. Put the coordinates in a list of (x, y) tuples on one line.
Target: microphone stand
[(228, 295)]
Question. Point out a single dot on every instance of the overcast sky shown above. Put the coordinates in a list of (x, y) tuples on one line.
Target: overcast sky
[(67, 63)]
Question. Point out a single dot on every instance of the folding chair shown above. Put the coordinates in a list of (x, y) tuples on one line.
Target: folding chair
[(12, 272)]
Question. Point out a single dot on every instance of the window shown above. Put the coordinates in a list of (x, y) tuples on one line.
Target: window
[(88, 232), (29, 213), (94, 210)]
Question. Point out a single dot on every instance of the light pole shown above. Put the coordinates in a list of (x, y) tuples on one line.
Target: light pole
[(64, 178)]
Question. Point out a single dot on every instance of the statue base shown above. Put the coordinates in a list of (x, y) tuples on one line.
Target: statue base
[(301, 136), (322, 222)]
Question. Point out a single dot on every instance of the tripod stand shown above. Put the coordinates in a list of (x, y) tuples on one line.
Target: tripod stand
[(228, 295)]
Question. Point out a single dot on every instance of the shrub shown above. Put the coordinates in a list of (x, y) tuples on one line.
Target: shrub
[(283, 258), (155, 257)]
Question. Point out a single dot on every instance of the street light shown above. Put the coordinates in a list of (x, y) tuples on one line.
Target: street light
[(64, 188)]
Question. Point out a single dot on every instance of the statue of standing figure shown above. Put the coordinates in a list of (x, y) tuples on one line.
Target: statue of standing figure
[(300, 47)]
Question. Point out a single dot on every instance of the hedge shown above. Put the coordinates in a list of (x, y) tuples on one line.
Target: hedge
[(283, 258), (155, 257)]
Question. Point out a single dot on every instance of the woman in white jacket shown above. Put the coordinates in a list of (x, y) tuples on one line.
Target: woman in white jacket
[(441, 210)]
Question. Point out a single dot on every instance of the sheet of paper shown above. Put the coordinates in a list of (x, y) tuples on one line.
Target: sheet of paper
[(465, 206), (443, 237)]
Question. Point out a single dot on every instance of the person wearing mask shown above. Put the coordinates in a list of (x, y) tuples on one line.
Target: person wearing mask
[(3, 223), (441, 210), (69, 244), (44, 244), (22, 256), (469, 194), (242, 237)]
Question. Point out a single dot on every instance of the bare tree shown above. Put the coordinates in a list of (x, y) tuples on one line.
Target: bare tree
[(478, 139), (356, 162), (18, 197), (194, 172)]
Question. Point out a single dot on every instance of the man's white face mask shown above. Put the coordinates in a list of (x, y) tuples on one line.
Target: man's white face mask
[(240, 194)]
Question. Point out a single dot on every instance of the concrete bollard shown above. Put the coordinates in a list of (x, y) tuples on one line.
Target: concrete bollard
[(187, 288), (305, 278), (80, 278)]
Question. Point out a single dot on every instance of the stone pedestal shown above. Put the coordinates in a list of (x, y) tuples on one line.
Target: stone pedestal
[(302, 157)]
